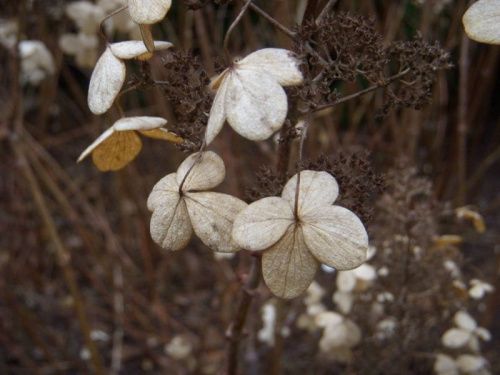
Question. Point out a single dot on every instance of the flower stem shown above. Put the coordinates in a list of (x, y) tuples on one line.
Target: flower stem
[(230, 30), (234, 333)]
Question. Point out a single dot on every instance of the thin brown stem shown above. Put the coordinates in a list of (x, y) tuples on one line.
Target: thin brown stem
[(101, 25), (273, 21), (230, 30), (328, 6), (360, 93)]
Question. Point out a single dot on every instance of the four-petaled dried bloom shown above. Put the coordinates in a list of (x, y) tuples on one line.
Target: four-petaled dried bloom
[(482, 21), (109, 73), (180, 205), (120, 144), (466, 334), (298, 233), (250, 96)]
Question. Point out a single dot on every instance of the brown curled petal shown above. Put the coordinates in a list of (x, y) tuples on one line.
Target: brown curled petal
[(117, 151)]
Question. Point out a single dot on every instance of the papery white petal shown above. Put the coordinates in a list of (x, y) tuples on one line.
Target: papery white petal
[(106, 81), (316, 189), (445, 365), (256, 105), (139, 123), (108, 133), (336, 237), (482, 21), (470, 363), (170, 224), (455, 338), (288, 267), (212, 215), (134, 48), (217, 115), (205, 171), (281, 64), (365, 272), (263, 223), (464, 321), (148, 11), (165, 188)]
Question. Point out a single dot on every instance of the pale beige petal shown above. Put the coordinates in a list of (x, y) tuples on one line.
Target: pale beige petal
[(279, 63), (164, 189), (288, 267), (170, 224), (135, 48), (106, 82), (162, 134), (316, 189), (456, 338), (139, 123), (212, 216), (148, 11), (205, 171), (117, 151), (256, 105), (482, 21), (217, 115), (336, 237), (108, 133), (263, 223)]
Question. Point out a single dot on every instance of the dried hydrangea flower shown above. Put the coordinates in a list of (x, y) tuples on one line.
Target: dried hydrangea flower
[(250, 94), (180, 205), (109, 73), (479, 288), (120, 144), (464, 364), (482, 21), (297, 237), (467, 333), (37, 62)]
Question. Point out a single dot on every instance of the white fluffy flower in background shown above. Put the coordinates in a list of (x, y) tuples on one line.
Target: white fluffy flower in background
[(266, 333), (482, 21), (340, 335), (83, 46), (37, 62), (467, 333), (250, 94), (120, 144), (180, 205), (8, 33), (466, 364), (298, 233), (109, 73), (479, 288)]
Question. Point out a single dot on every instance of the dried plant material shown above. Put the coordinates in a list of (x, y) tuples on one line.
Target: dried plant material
[(479, 288), (298, 235), (466, 334), (463, 364), (120, 144), (470, 213), (250, 96), (180, 206), (109, 73), (482, 21), (148, 11)]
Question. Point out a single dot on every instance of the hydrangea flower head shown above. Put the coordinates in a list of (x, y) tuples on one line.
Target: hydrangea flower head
[(181, 206), (250, 94), (299, 230)]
